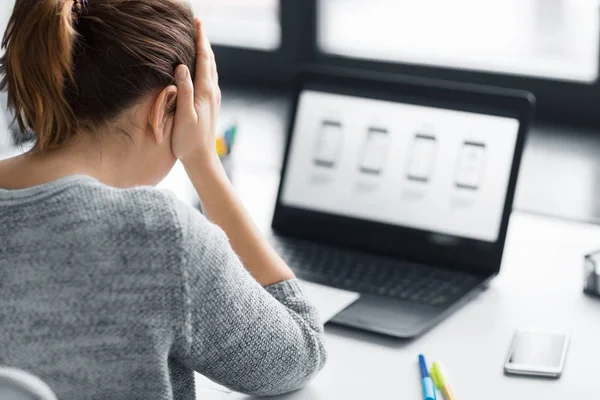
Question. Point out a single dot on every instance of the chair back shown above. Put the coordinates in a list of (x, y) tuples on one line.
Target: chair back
[(20, 385)]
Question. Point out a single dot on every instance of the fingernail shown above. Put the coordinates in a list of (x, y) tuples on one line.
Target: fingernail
[(181, 72)]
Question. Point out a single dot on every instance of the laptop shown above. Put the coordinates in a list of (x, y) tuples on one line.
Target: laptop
[(399, 189)]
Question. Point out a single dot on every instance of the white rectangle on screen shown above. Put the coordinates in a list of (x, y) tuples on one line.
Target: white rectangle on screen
[(328, 144), (421, 158), (375, 151), (470, 166), (450, 178)]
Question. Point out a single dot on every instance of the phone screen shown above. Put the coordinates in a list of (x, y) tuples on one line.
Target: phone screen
[(421, 158), (471, 161), (532, 352), (375, 151), (328, 146)]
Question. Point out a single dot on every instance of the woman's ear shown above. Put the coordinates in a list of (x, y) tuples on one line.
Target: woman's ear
[(162, 112)]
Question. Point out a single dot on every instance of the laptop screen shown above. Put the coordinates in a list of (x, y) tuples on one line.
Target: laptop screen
[(427, 168)]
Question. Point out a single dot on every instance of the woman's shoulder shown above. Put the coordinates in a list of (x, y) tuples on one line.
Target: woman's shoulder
[(155, 209), (146, 217), (141, 212), (128, 217)]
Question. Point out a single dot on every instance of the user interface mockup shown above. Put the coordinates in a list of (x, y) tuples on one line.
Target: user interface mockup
[(426, 168)]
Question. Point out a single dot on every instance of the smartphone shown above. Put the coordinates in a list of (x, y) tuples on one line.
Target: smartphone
[(375, 151), (422, 157), (469, 170), (329, 143), (537, 354)]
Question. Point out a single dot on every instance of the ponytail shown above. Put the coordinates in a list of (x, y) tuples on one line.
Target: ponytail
[(72, 66), (36, 68)]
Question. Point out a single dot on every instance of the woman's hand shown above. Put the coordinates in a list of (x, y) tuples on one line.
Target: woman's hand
[(198, 105), (193, 143)]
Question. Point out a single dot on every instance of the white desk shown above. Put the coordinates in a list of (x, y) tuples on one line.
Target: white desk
[(540, 287)]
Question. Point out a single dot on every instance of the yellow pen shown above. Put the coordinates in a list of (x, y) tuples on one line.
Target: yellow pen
[(440, 380), (221, 147)]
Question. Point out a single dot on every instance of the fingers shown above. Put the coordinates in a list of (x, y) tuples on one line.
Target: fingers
[(185, 90), (205, 61), (214, 73)]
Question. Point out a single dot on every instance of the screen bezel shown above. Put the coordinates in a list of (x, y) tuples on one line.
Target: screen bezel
[(482, 258)]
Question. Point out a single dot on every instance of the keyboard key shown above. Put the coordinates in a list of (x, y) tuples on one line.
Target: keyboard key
[(367, 273)]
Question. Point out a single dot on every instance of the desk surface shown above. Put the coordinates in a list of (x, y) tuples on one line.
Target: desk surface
[(540, 287)]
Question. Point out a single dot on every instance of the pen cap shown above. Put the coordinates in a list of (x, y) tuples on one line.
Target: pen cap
[(423, 366), (438, 375)]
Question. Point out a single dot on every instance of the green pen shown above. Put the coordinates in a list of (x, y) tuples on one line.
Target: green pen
[(440, 380), (233, 133), (230, 135)]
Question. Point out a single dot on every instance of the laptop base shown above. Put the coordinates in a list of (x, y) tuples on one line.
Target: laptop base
[(397, 318)]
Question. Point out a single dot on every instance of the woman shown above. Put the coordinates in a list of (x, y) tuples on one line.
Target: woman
[(111, 289)]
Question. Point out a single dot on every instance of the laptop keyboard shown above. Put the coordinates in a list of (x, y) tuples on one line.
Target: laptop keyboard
[(371, 274)]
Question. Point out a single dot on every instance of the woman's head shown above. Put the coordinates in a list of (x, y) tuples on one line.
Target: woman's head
[(75, 66)]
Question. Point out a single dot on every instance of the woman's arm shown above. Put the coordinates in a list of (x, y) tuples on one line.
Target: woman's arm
[(254, 339), (194, 144), (222, 206)]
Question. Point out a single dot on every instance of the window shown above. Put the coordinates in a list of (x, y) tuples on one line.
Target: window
[(5, 12), (557, 39), (251, 24), (238, 23)]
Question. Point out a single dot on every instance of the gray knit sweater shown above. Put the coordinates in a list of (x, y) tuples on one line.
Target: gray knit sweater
[(123, 293)]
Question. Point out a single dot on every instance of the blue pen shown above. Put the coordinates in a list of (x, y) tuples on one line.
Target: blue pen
[(426, 381)]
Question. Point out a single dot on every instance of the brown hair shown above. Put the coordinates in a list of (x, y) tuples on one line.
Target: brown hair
[(70, 64)]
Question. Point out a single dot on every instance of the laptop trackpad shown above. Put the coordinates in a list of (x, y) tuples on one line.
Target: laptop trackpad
[(387, 316)]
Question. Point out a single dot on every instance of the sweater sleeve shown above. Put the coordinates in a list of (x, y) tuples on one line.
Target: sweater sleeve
[(254, 340)]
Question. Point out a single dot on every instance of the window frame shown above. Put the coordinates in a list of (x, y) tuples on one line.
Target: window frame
[(271, 67), (570, 102), (558, 101)]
